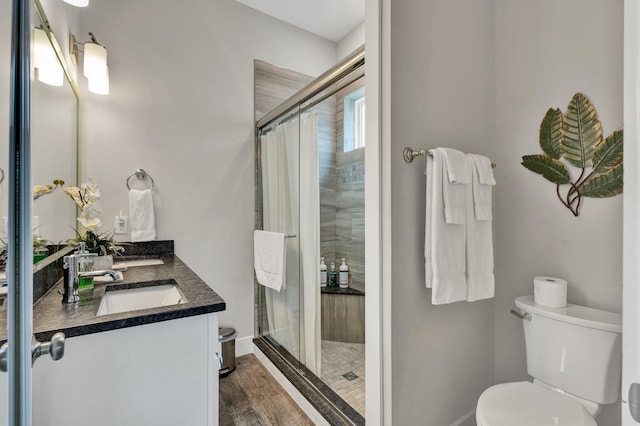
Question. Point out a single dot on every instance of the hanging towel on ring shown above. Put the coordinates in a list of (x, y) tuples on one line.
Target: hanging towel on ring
[(143, 223)]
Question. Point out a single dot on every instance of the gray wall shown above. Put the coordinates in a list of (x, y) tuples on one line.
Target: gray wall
[(479, 76), (541, 61), (442, 94)]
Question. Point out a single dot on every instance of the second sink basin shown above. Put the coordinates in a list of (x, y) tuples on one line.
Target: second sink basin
[(133, 297)]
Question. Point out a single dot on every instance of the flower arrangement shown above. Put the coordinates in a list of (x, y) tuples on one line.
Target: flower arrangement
[(87, 197)]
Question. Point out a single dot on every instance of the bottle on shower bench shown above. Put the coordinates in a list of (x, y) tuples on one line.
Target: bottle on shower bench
[(323, 273), (344, 274), (333, 276)]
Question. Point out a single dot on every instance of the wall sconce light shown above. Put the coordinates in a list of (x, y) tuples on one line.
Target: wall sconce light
[(78, 3), (45, 61), (94, 65)]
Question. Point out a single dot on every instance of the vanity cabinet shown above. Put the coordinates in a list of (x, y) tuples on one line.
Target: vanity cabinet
[(161, 374)]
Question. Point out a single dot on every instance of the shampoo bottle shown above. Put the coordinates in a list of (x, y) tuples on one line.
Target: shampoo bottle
[(344, 274), (333, 282), (323, 273)]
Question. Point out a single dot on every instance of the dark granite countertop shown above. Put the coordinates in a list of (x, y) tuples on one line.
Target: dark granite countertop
[(51, 316)]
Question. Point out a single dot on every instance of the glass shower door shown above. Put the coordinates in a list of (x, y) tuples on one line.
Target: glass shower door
[(279, 192)]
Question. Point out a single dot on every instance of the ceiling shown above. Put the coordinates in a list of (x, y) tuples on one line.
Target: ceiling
[(330, 19)]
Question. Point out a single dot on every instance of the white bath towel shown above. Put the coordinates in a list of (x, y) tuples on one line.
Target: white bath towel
[(444, 243), (269, 258), (457, 176), (141, 215), (480, 278), (483, 180)]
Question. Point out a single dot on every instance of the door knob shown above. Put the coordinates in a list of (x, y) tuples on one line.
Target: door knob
[(634, 401), (55, 348)]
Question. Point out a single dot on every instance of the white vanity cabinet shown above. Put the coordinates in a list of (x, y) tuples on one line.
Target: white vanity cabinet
[(160, 374)]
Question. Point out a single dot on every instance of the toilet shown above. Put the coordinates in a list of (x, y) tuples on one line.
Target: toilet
[(574, 355)]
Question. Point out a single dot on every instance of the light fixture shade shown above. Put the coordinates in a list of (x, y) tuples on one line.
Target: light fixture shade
[(51, 75), (95, 60), (79, 3), (100, 84), (43, 54)]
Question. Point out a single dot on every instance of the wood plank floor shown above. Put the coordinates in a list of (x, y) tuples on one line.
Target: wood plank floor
[(251, 396)]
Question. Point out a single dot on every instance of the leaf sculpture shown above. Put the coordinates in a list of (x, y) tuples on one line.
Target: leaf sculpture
[(576, 136)]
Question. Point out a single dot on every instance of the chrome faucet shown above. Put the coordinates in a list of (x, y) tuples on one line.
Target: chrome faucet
[(72, 274)]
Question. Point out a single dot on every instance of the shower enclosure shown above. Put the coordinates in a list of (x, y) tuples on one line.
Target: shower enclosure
[(310, 186)]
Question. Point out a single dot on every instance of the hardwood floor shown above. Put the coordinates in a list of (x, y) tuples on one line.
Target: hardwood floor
[(251, 396)]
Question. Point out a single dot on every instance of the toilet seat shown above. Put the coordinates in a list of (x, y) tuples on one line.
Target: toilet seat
[(527, 404)]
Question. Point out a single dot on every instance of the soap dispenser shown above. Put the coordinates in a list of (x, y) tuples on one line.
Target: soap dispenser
[(333, 282), (323, 273), (344, 274)]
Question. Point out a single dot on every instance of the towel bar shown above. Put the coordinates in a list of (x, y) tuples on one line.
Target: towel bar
[(141, 175), (409, 154)]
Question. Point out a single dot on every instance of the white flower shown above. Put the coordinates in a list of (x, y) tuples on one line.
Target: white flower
[(91, 224), (87, 197)]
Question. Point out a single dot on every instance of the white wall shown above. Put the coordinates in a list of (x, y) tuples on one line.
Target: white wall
[(351, 41), (441, 95), (541, 61), (181, 107)]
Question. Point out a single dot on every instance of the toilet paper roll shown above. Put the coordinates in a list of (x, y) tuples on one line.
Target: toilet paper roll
[(550, 291)]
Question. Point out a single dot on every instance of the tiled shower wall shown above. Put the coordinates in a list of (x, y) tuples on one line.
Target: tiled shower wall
[(349, 198)]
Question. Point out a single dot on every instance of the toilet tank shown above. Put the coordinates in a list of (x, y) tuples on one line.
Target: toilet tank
[(575, 349)]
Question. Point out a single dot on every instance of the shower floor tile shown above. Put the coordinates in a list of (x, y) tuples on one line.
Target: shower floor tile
[(345, 359)]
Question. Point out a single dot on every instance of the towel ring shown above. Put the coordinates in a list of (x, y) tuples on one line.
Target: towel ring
[(141, 175)]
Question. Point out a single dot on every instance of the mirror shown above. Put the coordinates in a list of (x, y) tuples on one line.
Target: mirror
[(54, 147), (54, 141)]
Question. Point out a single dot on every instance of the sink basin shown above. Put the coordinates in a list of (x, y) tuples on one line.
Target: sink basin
[(137, 296)]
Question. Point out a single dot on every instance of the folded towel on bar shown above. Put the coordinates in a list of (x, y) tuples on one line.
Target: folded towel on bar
[(142, 217), (480, 278), (269, 258), (483, 180), (457, 176), (444, 242)]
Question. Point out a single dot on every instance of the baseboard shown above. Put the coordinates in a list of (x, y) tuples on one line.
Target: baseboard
[(468, 419), (244, 346), (297, 397)]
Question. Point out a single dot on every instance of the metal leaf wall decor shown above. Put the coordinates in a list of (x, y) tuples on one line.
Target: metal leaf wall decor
[(576, 138)]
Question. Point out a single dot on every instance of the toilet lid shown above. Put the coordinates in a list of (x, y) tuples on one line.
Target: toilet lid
[(526, 404)]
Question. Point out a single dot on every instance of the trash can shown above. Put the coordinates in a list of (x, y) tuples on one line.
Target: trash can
[(227, 339)]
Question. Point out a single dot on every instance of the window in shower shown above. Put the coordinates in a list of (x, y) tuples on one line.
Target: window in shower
[(354, 124)]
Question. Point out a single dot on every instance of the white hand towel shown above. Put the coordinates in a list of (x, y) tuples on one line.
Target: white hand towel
[(141, 215), (269, 258), (480, 278), (457, 176), (444, 243), (483, 180)]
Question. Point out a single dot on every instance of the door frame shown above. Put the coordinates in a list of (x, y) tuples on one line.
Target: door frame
[(20, 239), (631, 206)]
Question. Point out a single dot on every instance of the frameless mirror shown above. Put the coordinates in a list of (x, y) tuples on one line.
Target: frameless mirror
[(54, 138)]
